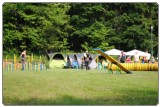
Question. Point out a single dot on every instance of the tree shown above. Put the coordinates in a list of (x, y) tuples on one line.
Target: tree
[(89, 30), (79, 26), (35, 26)]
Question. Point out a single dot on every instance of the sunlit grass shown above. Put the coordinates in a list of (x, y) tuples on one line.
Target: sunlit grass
[(79, 87)]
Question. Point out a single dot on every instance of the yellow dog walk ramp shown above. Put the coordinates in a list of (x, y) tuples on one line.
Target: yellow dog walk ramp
[(113, 61)]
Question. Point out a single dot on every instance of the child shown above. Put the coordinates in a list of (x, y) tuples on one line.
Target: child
[(128, 60)]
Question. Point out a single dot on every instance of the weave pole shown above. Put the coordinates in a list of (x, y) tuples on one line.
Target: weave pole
[(12, 66), (32, 63), (39, 63), (7, 67), (40, 66), (6, 62), (37, 66), (32, 66), (32, 57), (14, 62), (28, 65)]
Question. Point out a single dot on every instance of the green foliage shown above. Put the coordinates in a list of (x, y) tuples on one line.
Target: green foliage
[(65, 27), (35, 27)]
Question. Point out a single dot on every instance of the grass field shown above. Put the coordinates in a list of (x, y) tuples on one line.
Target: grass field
[(79, 87)]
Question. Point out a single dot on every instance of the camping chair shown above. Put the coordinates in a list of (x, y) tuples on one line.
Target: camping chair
[(75, 64)]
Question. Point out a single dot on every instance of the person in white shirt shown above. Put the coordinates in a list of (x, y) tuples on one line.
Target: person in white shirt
[(152, 59), (85, 54), (136, 57), (85, 58)]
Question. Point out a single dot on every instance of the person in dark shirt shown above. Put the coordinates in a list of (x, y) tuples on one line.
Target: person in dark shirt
[(122, 57)]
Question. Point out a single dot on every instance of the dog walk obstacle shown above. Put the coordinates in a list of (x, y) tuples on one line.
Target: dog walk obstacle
[(113, 61)]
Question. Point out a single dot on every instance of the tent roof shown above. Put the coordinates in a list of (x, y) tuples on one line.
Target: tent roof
[(113, 52), (72, 55), (94, 55), (140, 53), (53, 54)]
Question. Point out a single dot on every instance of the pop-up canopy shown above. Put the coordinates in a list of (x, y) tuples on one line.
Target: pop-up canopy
[(113, 52), (140, 53)]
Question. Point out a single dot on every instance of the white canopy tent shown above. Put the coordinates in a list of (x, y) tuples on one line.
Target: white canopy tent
[(113, 52), (140, 53)]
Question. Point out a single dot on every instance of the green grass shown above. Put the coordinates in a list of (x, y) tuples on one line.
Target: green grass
[(79, 87)]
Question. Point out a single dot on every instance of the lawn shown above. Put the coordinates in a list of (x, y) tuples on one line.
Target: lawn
[(79, 87)]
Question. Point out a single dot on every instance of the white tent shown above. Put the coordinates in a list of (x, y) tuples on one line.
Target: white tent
[(140, 53), (113, 52)]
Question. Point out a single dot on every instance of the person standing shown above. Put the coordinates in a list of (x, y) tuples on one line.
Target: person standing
[(122, 57), (82, 62), (23, 58), (152, 59), (87, 60), (136, 57), (85, 54)]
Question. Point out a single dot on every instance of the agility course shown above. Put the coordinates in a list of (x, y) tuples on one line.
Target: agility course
[(30, 65), (59, 60), (58, 86)]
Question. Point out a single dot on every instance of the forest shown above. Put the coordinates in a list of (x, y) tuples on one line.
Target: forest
[(76, 27)]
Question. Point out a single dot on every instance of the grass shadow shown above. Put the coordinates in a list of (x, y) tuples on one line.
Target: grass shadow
[(129, 98)]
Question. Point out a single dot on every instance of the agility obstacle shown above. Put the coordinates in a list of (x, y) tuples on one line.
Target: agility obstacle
[(28, 66), (136, 66), (127, 67), (113, 61)]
